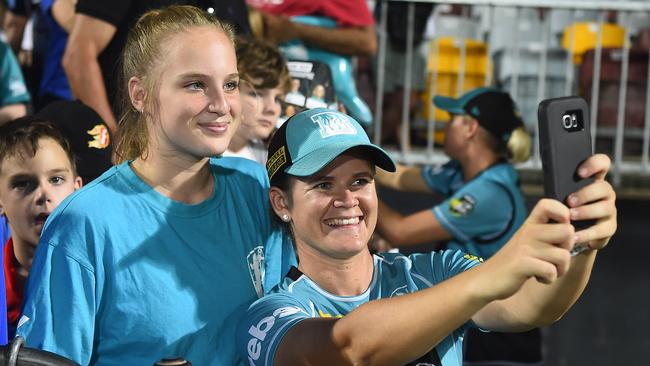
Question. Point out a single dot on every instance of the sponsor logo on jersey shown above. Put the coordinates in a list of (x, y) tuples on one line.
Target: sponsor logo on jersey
[(327, 315), (463, 206), (256, 268), (23, 319), (402, 290), (100, 137), (259, 332), (473, 258), (332, 124)]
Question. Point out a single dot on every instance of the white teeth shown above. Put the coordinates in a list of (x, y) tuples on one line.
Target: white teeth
[(339, 222)]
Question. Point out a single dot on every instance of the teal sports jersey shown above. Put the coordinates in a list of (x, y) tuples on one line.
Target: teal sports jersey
[(126, 276), (297, 298), (12, 85), (482, 214)]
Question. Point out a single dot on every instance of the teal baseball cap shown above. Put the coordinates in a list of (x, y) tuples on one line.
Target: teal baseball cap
[(310, 140), (493, 109)]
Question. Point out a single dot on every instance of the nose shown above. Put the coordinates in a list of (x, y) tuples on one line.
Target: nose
[(218, 103), (270, 106), (346, 199), (43, 195)]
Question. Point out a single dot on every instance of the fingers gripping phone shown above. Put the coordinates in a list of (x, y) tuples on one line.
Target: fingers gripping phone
[(565, 143)]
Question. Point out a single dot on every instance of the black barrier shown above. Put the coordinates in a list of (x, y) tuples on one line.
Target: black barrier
[(15, 354)]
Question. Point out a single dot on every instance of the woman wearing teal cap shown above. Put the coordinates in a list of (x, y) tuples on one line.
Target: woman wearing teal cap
[(322, 167), (482, 204)]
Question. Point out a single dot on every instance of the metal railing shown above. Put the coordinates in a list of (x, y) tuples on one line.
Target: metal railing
[(636, 164)]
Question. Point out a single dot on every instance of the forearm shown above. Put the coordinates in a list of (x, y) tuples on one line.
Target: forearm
[(415, 322), (87, 84), (404, 179), (540, 304), (12, 111), (354, 41), (414, 229)]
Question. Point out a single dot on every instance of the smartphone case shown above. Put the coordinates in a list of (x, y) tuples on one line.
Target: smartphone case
[(562, 151)]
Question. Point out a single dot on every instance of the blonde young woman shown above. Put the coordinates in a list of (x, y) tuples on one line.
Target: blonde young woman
[(343, 306), (158, 257)]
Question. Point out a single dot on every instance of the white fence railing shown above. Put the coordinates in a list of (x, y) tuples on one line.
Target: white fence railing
[(627, 144)]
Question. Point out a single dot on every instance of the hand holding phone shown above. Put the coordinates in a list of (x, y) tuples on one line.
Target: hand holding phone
[(565, 143)]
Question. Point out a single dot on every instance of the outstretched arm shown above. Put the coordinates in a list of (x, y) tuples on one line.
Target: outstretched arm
[(405, 178), (543, 302), (407, 230), (533, 273)]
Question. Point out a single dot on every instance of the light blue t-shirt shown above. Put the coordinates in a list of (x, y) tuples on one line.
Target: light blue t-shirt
[(297, 298), (482, 214), (126, 276)]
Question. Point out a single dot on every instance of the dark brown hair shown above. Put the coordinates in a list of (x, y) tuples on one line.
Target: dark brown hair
[(21, 136)]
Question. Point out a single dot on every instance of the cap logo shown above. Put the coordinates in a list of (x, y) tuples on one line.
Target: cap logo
[(100, 136), (476, 111), (277, 161), (332, 124)]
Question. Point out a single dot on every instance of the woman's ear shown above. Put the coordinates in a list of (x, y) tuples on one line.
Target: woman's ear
[(137, 93), (472, 126), (278, 201)]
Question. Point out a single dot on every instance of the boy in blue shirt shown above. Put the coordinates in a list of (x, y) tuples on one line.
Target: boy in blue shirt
[(37, 171)]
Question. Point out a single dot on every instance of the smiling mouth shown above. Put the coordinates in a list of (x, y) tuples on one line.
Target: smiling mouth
[(215, 128), (336, 222)]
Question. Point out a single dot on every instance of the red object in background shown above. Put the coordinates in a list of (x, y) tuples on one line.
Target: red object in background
[(610, 75)]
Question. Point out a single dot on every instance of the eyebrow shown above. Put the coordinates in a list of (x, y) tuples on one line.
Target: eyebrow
[(330, 177), (192, 74), (31, 175), (59, 170)]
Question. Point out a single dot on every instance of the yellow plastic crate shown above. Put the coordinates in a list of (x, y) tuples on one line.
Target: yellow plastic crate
[(586, 38), (447, 63)]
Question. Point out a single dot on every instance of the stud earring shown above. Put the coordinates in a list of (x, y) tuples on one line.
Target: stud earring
[(285, 218)]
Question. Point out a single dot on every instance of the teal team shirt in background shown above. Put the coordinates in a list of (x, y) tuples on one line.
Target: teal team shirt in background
[(125, 276), (298, 298), (481, 214)]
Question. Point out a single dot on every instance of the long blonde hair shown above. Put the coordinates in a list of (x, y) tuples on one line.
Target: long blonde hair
[(142, 53)]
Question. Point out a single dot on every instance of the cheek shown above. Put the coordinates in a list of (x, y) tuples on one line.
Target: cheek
[(234, 101), (62, 192)]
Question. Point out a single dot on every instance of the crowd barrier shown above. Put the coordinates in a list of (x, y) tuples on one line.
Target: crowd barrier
[(535, 50)]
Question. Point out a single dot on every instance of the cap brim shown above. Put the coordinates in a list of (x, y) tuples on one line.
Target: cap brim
[(315, 161), (450, 105)]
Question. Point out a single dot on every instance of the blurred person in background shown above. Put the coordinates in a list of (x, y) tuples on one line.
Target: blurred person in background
[(264, 83), (483, 205)]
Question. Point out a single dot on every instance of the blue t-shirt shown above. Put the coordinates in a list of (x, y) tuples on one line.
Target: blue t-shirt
[(297, 298), (54, 80), (481, 215), (126, 276)]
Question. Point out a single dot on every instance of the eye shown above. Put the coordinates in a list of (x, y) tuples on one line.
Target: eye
[(323, 185), (279, 99), (24, 185), (195, 85), (360, 182), (231, 85), (19, 185), (57, 180)]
